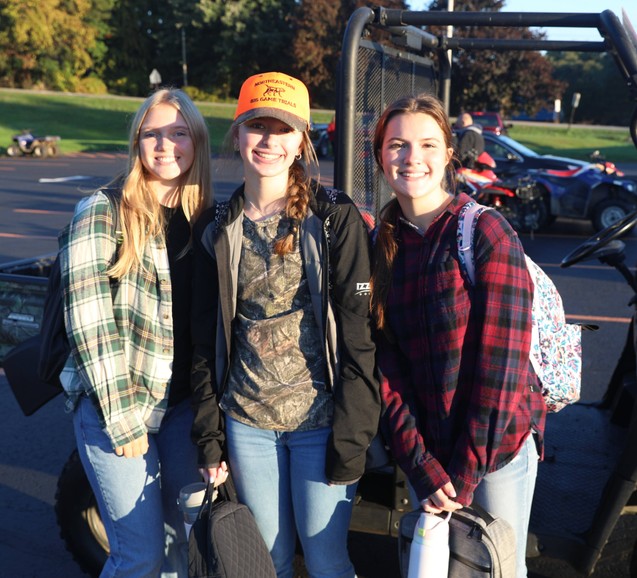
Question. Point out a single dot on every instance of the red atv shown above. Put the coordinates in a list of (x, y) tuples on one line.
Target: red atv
[(518, 198)]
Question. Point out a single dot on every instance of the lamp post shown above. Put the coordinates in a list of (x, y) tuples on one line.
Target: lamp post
[(446, 97), (574, 105), (184, 63)]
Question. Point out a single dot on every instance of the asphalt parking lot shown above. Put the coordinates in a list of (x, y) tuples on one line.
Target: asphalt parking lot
[(35, 448)]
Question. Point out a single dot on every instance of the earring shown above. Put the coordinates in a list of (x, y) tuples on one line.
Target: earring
[(298, 157)]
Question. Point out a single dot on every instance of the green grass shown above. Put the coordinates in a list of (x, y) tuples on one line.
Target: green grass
[(100, 123), (577, 142), (94, 123)]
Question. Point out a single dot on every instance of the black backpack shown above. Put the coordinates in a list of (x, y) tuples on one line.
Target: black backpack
[(225, 541), (54, 342), (32, 385)]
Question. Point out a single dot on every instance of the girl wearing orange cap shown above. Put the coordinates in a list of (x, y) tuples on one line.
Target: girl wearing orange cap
[(283, 349)]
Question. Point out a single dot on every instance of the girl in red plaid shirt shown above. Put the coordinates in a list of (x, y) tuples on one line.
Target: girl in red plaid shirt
[(463, 405)]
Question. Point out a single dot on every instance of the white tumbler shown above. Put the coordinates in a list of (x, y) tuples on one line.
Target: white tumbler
[(190, 500), (429, 553)]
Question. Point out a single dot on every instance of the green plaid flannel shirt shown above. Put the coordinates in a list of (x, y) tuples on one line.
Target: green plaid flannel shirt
[(121, 331)]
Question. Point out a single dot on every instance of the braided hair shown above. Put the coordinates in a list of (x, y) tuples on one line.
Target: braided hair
[(297, 196)]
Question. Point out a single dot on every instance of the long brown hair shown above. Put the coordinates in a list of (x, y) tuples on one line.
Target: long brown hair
[(386, 246), (141, 215)]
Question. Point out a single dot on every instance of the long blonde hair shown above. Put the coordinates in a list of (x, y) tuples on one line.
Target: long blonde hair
[(386, 245), (141, 216)]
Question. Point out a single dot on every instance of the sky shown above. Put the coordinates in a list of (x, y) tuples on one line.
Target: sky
[(574, 6)]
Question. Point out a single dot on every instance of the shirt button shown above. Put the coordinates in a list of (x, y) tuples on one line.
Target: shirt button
[(166, 316), (166, 350)]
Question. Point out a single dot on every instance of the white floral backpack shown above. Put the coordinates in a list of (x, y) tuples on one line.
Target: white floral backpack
[(556, 346)]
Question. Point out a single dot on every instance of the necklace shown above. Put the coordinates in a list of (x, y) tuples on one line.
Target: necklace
[(268, 214)]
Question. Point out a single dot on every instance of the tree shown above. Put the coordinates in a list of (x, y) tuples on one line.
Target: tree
[(316, 47), (246, 37), (319, 26), (596, 77), (199, 27), (134, 26), (508, 82), (97, 17), (45, 43)]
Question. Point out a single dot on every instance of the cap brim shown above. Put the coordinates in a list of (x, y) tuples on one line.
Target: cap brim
[(296, 122)]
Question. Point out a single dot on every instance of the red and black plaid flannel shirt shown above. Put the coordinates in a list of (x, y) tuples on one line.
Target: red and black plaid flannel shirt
[(460, 393)]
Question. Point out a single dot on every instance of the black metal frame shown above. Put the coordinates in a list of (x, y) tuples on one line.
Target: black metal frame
[(402, 24)]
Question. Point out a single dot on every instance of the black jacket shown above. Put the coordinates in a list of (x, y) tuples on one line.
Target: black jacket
[(334, 239), (470, 145)]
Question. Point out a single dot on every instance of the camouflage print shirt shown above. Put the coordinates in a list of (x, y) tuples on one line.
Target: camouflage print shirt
[(336, 269), (277, 374)]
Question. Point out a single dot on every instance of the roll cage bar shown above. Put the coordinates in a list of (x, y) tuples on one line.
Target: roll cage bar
[(617, 39)]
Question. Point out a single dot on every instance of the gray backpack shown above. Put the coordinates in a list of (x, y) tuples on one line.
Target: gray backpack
[(480, 545)]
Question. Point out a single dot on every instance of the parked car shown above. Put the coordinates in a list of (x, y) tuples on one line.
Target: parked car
[(320, 139), (512, 157), (491, 122)]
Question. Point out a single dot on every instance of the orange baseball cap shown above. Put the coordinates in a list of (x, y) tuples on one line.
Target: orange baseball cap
[(275, 95)]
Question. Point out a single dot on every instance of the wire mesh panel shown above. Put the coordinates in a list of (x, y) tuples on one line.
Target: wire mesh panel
[(383, 75)]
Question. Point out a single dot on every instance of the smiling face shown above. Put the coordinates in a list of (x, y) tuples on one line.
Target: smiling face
[(166, 147), (268, 147), (414, 157)]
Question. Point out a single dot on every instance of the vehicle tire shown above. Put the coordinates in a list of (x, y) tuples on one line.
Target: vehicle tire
[(534, 214), (524, 216), (546, 198), (609, 212), (79, 519), (510, 211), (633, 562), (13, 151), (51, 150), (39, 151)]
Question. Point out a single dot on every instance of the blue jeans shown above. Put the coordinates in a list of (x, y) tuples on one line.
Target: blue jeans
[(137, 497), (508, 493), (280, 476)]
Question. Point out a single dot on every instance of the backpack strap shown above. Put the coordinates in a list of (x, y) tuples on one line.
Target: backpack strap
[(332, 194), (114, 195), (222, 208), (467, 220)]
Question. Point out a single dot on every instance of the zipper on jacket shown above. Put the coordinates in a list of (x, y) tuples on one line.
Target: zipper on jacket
[(328, 241), (327, 285)]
